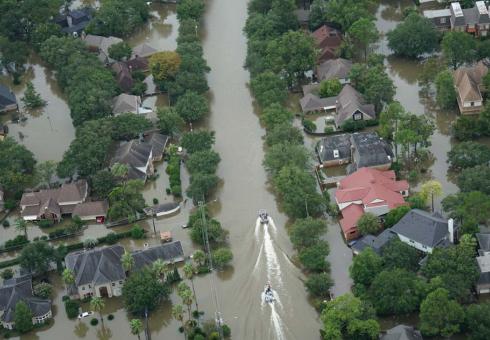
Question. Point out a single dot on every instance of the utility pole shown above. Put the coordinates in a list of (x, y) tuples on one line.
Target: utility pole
[(218, 318), (153, 220)]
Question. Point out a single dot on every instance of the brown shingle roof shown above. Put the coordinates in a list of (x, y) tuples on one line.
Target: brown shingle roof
[(334, 68), (468, 81), (97, 208)]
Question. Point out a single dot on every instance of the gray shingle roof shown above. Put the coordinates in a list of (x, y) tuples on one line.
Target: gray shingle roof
[(349, 101), (158, 143), (168, 252), (422, 227), (334, 69), (6, 97), (311, 102), (20, 289), (402, 332), (133, 153), (372, 149), (377, 243), (483, 241), (327, 145)]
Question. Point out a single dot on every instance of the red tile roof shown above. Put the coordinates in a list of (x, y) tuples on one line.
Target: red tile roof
[(328, 39), (350, 216)]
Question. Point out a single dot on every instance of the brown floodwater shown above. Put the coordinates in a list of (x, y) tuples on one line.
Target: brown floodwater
[(47, 132)]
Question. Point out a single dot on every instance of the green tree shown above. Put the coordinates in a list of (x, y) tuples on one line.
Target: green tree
[(396, 292), (365, 267), (282, 15), (330, 88), (17, 166), (478, 321), (313, 258), (318, 14), (43, 290), (394, 215), (190, 9), (160, 268), (374, 83), (23, 317), (120, 51), (119, 17), (164, 65), (205, 161), (297, 190), (439, 315), (345, 315), (415, 36), (44, 31), (282, 133), (293, 62), (197, 140), (446, 94), (397, 254), (458, 48), (201, 184), (127, 126), (14, 56), (368, 223), (468, 154), (45, 171), (136, 327), (389, 120), (97, 304), (474, 204), (32, 99), (319, 284), (21, 226), (363, 33), (126, 200), (216, 234), (222, 257), (188, 31), (274, 115), (269, 88), (429, 190), (143, 291), (127, 261), (474, 179), (346, 12), (102, 183), (285, 154), (68, 277), (178, 314), (189, 275), (192, 106), (36, 257), (305, 232), (199, 258), (169, 121)]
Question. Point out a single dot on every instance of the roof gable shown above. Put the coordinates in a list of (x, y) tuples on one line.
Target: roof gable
[(422, 227)]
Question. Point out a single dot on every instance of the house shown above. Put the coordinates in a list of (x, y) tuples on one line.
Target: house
[(334, 69), (143, 50), (328, 41), (425, 231), (361, 149), (19, 289), (441, 18), (311, 103), (334, 150), (123, 76), (99, 272), (351, 105), (92, 211), (8, 102), (475, 20), (100, 45), (483, 283), (401, 332), (483, 243), (127, 103), (158, 144), (376, 243), (468, 82), (74, 21), (53, 204), (367, 190), (138, 64), (137, 156)]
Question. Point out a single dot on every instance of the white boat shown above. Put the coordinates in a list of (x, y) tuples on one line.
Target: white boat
[(269, 294), (264, 217)]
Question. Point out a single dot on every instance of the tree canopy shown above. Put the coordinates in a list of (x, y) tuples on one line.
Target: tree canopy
[(16, 166), (439, 315), (197, 140), (36, 257), (125, 200), (23, 317), (164, 65), (368, 223), (446, 94), (468, 154), (191, 106), (458, 48)]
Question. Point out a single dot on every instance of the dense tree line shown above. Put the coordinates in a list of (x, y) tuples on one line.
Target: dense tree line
[(277, 57)]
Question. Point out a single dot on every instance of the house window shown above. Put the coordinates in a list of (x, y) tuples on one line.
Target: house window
[(424, 247), (358, 116), (472, 103), (83, 288), (113, 284), (89, 286), (443, 20), (411, 241), (120, 282)]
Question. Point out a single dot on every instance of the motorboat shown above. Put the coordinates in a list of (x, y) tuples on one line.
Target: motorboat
[(269, 294), (264, 217)]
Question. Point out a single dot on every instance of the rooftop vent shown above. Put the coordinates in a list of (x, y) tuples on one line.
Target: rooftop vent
[(336, 153)]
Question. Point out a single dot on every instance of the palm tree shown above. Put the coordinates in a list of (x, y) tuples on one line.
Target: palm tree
[(127, 261), (160, 268), (178, 314), (136, 327), (199, 257), (68, 277), (185, 294), (21, 226), (189, 274), (97, 304)]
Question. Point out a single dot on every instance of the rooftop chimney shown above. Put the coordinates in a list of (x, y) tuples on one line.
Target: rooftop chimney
[(450, 227)]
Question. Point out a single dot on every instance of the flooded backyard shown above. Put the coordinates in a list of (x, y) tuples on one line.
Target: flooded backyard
[(260, 254)]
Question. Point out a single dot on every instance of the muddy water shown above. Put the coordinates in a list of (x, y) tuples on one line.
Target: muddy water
[(47, 132), (404, 74)]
